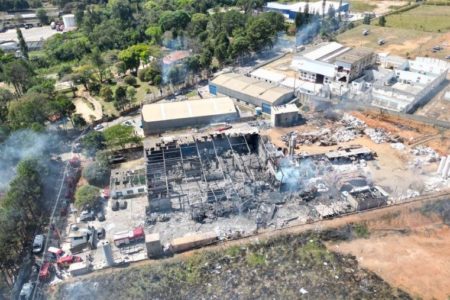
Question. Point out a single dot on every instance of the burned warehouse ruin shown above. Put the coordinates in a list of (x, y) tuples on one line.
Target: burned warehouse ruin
[(242, 173)]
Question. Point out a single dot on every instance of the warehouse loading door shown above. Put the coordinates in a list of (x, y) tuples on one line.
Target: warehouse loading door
[(213, 89), (266, 108)]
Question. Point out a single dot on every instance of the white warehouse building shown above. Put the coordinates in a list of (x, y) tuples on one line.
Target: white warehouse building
[(161, 117)]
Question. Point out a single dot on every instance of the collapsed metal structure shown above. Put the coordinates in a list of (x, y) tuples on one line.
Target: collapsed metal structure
[(216, 175), (212, 174)]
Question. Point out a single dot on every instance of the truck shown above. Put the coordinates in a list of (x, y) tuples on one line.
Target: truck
[(128, 237)]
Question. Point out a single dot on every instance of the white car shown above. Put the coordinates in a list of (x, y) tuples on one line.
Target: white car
[(98, 127)]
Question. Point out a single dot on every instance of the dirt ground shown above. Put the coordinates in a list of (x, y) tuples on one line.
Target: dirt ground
[(383, 7), (409, 250), (399, 41)]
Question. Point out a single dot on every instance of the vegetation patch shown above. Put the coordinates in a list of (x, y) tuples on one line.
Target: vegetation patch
[(361, 230), (361, 6), (424, 18), (280, 268)]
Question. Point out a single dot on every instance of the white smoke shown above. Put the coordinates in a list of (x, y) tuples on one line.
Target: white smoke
[(20, 145)]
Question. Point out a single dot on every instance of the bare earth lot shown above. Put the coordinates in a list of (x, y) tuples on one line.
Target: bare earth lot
[(409, 250), (399, 41)]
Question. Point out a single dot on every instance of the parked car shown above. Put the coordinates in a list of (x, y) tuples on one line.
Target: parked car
[(115, 205), (101, 233), (38, 243), (123, 204), (86, 216), (100, 216), (26, 292), (99, 127)]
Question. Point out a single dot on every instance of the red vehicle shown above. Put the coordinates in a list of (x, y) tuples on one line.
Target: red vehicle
[(65, 261), (224, 128), (105, 193), (45, 272), (56, 251), (128, 237)]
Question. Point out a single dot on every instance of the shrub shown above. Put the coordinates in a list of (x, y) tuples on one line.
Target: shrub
[(106, 93), (130, 80), (96, 174), (86, 196)]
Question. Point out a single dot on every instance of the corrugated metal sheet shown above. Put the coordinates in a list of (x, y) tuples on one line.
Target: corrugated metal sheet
[(187, 109)]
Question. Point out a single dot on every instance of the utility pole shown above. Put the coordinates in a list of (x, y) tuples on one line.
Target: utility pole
[(324, 3)]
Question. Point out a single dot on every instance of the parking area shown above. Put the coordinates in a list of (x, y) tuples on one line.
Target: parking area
[(118, 221)]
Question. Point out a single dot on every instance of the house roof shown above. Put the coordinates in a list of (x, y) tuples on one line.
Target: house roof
[(175, 57)]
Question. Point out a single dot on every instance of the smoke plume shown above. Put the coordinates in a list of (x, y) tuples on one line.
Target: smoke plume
[(20, 145)]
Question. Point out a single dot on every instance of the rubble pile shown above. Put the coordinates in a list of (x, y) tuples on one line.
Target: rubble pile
[(379, 136), (353, 122), (428, 154)]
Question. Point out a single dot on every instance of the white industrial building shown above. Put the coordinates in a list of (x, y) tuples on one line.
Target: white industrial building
[(268, 76), (251, 90), (410, 85), (331, 62), (161, 117)]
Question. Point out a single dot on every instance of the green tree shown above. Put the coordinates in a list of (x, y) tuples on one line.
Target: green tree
[(98, 62), (193, 63), (131, 94), (198, 24), (93, 142), (31, 108), (86, 196), (97, 174), (42, 16), (240, 47), (19, 74), (106, 93), (22, 44), (382, 21), (366, 19), (5, 97), (130, 80), (119, 136), (133, 55), (120, 97), (170, 20), (154, 33), (205, 59), (260, 34), (25, 190), (78, 121)]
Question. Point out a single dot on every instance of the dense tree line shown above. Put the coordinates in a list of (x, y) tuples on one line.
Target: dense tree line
[(21, 209)]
